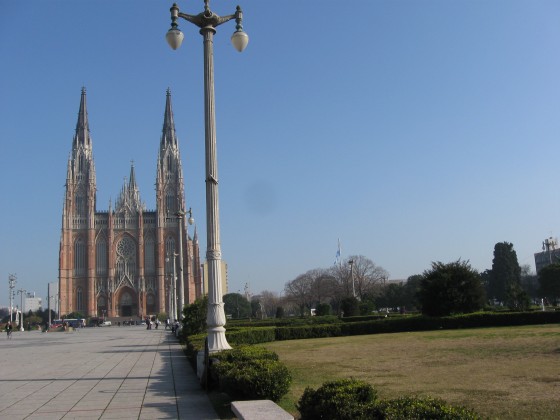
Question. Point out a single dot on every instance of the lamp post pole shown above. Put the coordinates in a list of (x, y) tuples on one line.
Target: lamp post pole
[(12, 280), (21, 292), (180, 217), (207, 21), (351, 262)]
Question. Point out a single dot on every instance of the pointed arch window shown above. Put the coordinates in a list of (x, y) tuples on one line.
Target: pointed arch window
[(80, 204), (79, 257), (149, 256), (79, 299), (169, 252), (170, 202), (101, 257), (169, 164)]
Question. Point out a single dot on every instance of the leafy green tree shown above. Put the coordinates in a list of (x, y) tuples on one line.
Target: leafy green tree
[(412, 286), (366, 306), (194, 321), (350, 306), (237, 305), (504, 283), (323, 309), (549, 280), (451, 288)]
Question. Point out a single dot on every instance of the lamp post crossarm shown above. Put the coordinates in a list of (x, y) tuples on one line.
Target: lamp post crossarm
[(206, 19)]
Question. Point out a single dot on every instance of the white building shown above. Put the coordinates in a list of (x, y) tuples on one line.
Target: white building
[(31, 302)]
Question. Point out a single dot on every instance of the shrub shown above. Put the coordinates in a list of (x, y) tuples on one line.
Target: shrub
[(251, 373), (194, 321), (344, 399), (252, 335), (350, 399), (422, 408)]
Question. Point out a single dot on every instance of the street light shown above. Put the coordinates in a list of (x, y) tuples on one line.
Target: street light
[(12, 279), (173, 309), (21, 292), (180, 214), (351, 262), (207, 21)]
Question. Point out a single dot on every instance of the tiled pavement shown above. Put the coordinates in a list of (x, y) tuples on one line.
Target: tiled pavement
[(98, 373)]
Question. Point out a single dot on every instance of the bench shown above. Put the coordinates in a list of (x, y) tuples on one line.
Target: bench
[(259, 410)]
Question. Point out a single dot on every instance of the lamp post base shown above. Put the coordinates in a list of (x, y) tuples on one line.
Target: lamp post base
[(217, 340)]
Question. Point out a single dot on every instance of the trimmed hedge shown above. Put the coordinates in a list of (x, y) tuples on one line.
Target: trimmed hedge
[(350, 399), (422, 408), (252, 335), (344, 399), (251, 373)]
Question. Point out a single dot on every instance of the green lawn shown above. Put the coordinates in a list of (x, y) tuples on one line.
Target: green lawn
[(506, 373)]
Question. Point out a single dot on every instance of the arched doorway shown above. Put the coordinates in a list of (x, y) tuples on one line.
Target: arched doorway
[(101, 306), (127, 304)]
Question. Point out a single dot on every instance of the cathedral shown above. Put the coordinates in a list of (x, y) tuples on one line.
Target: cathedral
[(121, 262)]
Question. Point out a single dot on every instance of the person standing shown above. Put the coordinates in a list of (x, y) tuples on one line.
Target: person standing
[(9, 330)]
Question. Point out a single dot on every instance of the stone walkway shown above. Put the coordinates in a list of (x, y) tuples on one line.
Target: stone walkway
[(98, 373)]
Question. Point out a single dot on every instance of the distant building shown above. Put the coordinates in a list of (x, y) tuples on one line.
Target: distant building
[(31, 302), (224, 278), (544, 258), (549, 255)]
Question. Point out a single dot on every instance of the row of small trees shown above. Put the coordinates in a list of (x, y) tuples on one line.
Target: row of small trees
[(442, 289)]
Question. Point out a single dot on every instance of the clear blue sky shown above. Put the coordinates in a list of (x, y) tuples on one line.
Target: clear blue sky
[(414, 131)]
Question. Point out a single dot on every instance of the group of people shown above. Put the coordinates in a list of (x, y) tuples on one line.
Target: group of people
[(171, 325), (150, 322)]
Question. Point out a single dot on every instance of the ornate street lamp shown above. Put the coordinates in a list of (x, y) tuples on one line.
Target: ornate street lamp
[(21, 292), (207, 21), (180, 216)]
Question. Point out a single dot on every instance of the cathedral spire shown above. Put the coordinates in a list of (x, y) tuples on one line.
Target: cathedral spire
[(82, 137), (168, 136), (132, 179)]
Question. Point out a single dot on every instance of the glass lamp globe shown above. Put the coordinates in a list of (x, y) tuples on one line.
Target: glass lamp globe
[(239, 39), (174, 38)]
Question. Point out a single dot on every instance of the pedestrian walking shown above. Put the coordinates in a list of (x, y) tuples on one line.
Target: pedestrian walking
[(9, 330)]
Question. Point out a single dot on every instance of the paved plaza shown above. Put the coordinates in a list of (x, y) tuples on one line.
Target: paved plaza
[(98, 373)]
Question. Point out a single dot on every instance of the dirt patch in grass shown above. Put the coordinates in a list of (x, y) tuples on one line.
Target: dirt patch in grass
[(506, 373)]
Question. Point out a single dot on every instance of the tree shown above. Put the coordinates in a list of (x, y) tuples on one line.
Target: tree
[(451, 288), (349, 306), (504, 283), (194, 321), (323, 309), (362, 277), (412, 286), (323, 285), (237, 305), (299, 292), (530, 282), (269, 301), (549, 281)]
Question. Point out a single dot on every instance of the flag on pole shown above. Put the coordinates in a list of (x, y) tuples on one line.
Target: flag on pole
[(337, 258)]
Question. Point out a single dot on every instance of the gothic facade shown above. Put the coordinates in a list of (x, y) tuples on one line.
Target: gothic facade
[(121, 262)]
